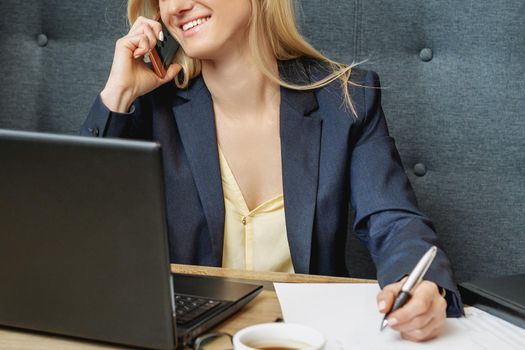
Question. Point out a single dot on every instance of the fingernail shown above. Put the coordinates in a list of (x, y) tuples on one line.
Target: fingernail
[(136, 56), (161, 36), (381, 305), (392, 321)]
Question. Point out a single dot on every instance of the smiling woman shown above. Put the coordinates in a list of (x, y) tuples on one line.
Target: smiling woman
[(262, 158), (283, 41)]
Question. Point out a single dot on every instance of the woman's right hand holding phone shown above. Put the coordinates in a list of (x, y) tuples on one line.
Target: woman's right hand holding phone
[(130, 77)]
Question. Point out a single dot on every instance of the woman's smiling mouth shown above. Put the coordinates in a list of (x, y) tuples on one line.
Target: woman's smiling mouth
[(194, 23)]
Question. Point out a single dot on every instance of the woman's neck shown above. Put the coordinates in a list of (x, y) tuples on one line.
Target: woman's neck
[(238, 88)]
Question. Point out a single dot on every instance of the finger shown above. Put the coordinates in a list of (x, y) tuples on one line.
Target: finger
[(420, 303), (418, 322), (386, 297), (437, 313), (138, 44), (131, 42), (152, 37), (142, 48), (428, 332), (141, 21), (172, 72)]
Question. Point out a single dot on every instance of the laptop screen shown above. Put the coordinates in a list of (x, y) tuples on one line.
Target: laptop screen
[(82, 231)]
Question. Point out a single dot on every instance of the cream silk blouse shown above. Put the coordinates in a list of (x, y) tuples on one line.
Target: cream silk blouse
[(253, 240)]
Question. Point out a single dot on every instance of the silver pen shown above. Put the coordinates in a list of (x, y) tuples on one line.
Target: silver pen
[(413, 279)]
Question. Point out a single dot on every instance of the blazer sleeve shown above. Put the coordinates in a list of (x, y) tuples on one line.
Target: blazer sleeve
[(387, 218), (136, 124)]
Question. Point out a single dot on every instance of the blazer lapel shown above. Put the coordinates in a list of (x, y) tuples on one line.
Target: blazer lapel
[(300, 131), (300, 146), (195, 119)]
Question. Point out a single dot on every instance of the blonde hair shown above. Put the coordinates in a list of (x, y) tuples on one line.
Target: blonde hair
[(284, 40)]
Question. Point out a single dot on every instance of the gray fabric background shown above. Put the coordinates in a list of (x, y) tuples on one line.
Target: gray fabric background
[(461, 114)]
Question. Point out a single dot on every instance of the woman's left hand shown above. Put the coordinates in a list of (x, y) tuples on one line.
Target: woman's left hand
[(422, 317)]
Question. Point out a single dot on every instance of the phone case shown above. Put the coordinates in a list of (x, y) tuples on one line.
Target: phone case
[(162, 55)]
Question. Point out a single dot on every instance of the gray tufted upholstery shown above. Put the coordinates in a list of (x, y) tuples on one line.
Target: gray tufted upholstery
[(453, 74), (55, 56)]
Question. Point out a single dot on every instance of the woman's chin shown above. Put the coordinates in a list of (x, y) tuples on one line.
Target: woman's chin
[(206, 50), (201, 54)]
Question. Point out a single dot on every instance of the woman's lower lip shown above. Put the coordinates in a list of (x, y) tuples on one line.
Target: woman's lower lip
[(192, 31)]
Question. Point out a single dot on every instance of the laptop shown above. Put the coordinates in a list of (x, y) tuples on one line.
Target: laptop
[(501, 296), (84, 245)]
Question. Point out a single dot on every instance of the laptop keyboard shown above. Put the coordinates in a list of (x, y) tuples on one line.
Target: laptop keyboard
[(188, 308)]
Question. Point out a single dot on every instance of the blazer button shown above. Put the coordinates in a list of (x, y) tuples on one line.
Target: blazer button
[(420, 169), (42, 40), (94, 131), (426, 54)]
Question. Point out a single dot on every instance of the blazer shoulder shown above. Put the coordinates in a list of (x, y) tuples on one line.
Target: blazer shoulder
[(364, 88), (364, 77), (309, 70)]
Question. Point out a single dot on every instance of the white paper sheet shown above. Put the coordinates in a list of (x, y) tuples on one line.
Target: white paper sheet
[(347, 315)]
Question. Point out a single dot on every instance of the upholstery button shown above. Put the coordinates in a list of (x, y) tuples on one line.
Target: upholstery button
[(94, 131), (420, 169), (42, 40), (426, 54)]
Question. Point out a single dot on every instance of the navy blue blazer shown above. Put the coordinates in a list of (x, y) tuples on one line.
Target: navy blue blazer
[(330, 160)]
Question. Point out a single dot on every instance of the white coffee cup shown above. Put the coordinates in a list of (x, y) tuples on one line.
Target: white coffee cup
[(278, 335)]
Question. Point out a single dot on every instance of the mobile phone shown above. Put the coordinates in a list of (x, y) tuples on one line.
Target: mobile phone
[(162, 55)]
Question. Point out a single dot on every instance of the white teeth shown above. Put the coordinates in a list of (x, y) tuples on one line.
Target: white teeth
[(194, 23)]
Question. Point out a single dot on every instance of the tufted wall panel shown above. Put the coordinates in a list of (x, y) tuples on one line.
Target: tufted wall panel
[(453, 74), (55, 57)]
